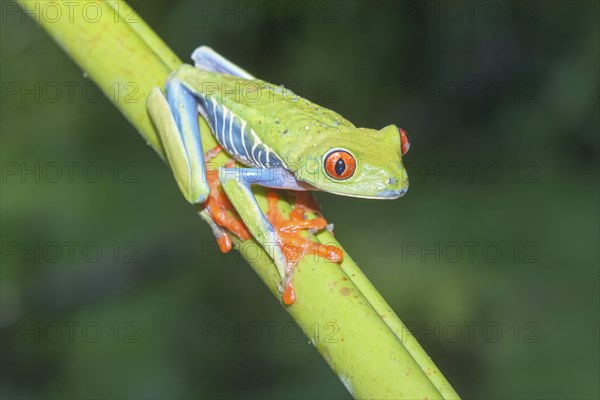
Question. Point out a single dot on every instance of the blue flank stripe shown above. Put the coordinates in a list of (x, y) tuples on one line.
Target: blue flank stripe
[(235, 145)]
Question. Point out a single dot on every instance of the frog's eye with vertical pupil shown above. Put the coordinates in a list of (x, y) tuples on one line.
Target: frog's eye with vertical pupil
[(340, 164), (405, 143)]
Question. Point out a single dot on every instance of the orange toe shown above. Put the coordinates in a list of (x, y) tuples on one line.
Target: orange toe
[(289, 295), (224, 242)]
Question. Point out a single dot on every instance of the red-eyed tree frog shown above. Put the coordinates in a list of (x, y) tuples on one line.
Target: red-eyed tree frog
[(283, 140)]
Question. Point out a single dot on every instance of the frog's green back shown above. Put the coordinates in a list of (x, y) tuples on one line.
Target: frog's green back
[(282, 120)]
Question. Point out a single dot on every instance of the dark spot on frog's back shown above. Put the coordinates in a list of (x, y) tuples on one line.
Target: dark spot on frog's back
[(285, 131)]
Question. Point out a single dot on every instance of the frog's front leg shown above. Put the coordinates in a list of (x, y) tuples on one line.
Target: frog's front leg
[(237, 182), (176, 119)]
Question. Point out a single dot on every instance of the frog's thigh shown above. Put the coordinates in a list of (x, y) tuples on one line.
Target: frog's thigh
[(176, 119)]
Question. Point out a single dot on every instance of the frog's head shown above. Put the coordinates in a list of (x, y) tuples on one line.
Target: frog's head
[(358, 162)]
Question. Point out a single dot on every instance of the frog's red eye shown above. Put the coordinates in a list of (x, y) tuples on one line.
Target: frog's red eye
[(340, 164), (405, 143)]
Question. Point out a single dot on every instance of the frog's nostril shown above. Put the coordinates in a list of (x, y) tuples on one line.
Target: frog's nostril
[(392, 181)]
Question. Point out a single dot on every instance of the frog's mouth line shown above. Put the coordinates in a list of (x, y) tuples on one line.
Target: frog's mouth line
[(391, 194), (384, 195)]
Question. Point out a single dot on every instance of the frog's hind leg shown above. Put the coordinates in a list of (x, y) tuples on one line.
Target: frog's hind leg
[(218, 210), (222, 236), (176, 119)]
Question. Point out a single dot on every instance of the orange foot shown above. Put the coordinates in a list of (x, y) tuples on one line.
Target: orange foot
[(293, 245)]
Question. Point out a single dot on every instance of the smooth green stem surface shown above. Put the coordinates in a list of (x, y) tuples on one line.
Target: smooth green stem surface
[(340, 311)]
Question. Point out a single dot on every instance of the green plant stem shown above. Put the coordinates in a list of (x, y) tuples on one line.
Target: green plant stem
[(344, 316)]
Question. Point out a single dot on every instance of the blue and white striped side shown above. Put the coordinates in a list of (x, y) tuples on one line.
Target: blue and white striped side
[(236, 137)]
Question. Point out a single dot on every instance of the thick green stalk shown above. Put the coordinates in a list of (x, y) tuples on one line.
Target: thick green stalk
[(337, 307)]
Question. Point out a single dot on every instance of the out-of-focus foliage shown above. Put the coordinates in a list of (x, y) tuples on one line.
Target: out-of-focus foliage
[(492, 257)]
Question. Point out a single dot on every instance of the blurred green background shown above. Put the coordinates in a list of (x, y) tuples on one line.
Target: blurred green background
[(111, 287)]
